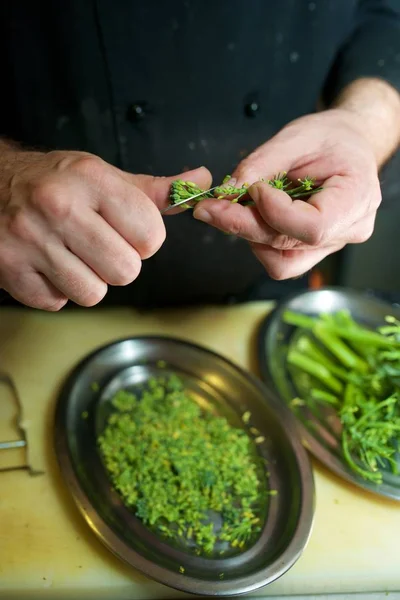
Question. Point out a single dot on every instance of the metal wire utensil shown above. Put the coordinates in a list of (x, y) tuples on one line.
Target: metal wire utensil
[(22, 442), (188, 201)]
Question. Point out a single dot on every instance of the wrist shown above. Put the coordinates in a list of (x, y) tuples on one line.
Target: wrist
[(13, 153), (373, 107), (13, 159)]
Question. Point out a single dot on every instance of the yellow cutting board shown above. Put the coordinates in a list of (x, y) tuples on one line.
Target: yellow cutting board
[(47, 550)]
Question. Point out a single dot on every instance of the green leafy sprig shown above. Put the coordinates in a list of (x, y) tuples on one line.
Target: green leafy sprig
[(187, 190)]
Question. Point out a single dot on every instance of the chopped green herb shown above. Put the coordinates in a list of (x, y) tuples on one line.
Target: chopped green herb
[(297, 402), (161, 364), (181, 469), (95, 386), (85, 414), (181, 569), (246, 417)]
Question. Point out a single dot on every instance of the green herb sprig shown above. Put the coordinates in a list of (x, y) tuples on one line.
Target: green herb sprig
[(186, 190), (357, 372), (175, 465)]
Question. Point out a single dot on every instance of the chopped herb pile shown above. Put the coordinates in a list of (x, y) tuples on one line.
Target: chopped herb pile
[(182, 469), (337, 362), (186, 190)]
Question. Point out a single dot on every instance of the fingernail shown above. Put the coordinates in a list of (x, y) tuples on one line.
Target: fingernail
[(254, 192), (231, 181), (202, 215)]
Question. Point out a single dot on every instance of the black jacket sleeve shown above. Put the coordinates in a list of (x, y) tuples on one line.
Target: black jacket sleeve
[(371, 50)]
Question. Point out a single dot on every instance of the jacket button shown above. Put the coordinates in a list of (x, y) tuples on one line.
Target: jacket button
[(138, 111), (251, 109)]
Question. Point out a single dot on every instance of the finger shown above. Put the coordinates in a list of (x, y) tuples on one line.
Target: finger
[(265, 162), (71, 276), (291, 151), (158, 188), (35, 290), (315, 222), (361, 231), (243, 221), (103, 249), (122, 205), (287, 264), (252, 223), (135, 217)]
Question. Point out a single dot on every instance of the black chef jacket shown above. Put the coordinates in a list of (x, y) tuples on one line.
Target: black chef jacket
[(158, 86)]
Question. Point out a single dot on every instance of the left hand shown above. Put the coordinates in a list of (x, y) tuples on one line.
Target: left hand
[(290, 236)]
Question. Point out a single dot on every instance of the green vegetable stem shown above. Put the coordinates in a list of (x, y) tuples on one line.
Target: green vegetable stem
[(342, 352), (186, 190), (359, 371), (314, 368)]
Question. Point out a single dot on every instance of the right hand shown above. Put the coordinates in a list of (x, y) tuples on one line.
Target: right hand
[(71, 224)]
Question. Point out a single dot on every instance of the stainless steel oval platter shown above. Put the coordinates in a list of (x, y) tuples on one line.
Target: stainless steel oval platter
[(214, 382), (320, 433)]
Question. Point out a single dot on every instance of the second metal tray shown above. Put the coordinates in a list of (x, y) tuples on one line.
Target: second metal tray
[(320, 434)]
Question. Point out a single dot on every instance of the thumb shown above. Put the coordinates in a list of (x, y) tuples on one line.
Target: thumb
[(158, 188)]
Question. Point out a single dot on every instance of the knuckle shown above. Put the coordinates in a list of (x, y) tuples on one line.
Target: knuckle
[(44, 302), (152, 241), (57, 305), (376, 199), (88, 166), (51, 201), (18, 280), (92, 295), (363, 235), (8, 263), (276, 271), (316, 235), (283, 242), (274, 265), (20, 227), (235, 227), (127, 272), (249, 168)]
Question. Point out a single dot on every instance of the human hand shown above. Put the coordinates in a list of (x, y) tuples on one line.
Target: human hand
[(290, 236), (71, 224)]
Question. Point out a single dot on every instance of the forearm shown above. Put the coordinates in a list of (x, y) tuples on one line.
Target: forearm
[(375, 105), (8, 148)]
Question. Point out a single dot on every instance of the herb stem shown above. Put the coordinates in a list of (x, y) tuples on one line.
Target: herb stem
[(346, 356), (314, 368)]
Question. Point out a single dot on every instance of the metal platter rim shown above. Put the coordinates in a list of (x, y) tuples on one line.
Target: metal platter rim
[(161, 574), (309, 441)]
